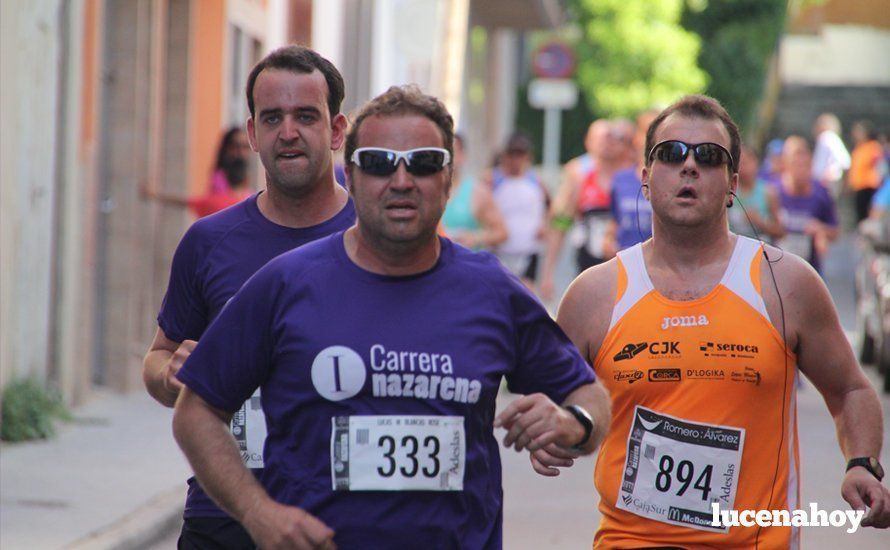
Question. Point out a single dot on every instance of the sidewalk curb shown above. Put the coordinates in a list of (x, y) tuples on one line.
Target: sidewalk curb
[(138, 528)]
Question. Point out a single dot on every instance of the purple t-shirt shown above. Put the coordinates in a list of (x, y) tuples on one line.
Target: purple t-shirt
[(215, 257), (631, 211), (385, 388), (796, 212)]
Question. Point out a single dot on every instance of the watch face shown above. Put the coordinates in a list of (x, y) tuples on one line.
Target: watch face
[(876, 467)]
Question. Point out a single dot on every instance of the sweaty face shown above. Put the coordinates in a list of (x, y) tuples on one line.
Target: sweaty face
[(400, 208), (687, 194), (292, 130)]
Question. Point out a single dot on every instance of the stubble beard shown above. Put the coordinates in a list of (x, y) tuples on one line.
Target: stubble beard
[(296, 184)]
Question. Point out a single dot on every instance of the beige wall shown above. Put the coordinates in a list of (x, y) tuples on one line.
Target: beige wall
[(838, 54), (29, 31)]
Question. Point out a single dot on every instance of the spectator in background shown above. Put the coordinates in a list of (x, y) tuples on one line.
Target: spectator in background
[(233, 152), (228, 185), (235, 176), (867, 167), (522, 201), (758, 199), (631, 212), (830, 157), (807, 209), (471, 216)]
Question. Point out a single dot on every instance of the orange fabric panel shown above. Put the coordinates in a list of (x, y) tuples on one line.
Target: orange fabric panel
[(718, 371), (864, 162), (90, 79), (206, 63)]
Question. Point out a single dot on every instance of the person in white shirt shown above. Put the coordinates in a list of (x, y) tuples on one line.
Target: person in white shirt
[(830, 157)]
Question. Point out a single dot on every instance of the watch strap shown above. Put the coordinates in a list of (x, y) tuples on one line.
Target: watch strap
[(869, 463), (586, 421)]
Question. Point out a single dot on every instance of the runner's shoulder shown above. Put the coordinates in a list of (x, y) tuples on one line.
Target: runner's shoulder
[(795, 277), (207, 232), (594, 290)]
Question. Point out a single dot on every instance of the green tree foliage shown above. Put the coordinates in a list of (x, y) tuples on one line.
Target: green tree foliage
[(739, 37), (634, 54)]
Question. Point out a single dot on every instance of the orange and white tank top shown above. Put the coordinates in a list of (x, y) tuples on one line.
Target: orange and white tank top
[(703, 413)]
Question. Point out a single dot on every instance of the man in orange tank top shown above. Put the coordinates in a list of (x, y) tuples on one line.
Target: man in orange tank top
[(699, 341)]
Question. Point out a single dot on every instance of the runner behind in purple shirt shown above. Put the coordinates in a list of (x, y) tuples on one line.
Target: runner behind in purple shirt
[(807, 209), (294, 97), (379, 352)]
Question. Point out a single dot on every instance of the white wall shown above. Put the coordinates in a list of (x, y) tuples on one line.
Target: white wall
[(29, 31), (327, 33), (839, 55)]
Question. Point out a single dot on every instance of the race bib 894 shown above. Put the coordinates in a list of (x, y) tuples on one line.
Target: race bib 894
[(675, 469)]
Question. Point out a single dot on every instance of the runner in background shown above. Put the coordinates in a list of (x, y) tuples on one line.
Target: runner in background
[(758, 199), (807, 210), (294, 97), (631, 212), (583, 202), (471, 216), (830, 156), (522, 201)]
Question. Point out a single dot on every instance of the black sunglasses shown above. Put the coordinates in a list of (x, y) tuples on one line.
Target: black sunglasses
[(425, 161), (675, 152)]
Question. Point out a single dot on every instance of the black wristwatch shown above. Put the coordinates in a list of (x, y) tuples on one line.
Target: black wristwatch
[(586, 421), (870, 464)]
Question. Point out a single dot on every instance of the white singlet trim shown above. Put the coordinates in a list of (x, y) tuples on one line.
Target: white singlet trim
[(638, 282), (736, 278), (738, 274)]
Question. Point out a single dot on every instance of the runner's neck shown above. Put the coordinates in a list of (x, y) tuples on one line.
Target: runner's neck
[(316, 207)]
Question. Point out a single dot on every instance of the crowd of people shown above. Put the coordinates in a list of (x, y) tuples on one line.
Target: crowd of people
[(790, 199), (334, 358)]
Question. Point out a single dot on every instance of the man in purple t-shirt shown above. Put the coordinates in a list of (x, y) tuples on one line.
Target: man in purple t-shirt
[(380, 351), (295, 123), (806, 209)]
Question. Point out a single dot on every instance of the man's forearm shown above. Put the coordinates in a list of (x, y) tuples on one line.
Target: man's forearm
[(204, 436), (154, 375), (859, 423)]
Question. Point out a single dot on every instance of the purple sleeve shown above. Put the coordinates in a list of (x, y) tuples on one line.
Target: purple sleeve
[(546, 360), (233, 357), (184, 314)]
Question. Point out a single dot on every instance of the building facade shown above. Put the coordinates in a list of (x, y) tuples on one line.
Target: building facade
[(104, 98)]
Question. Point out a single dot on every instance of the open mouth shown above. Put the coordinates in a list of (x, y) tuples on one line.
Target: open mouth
[(687, 192), (290, 155)]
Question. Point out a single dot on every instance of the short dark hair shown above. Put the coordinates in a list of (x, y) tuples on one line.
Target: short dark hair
[(700, 106), (300, 59), (402, 100)]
